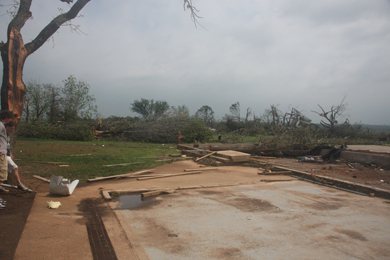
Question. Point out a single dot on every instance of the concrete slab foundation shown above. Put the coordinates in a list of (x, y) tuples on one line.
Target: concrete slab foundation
[(281, 220)]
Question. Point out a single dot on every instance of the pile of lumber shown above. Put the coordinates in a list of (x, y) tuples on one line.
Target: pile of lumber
[(226, 157)]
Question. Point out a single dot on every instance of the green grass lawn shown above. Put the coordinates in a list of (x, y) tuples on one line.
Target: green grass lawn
[(87, 159)]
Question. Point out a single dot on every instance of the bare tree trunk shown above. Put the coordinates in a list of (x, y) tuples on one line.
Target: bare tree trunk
[(13, 88), (15, 52)]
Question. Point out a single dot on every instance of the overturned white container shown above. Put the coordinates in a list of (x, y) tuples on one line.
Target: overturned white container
[(62, 186)]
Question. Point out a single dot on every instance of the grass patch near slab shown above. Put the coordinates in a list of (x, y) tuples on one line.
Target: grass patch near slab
[(86, 160)]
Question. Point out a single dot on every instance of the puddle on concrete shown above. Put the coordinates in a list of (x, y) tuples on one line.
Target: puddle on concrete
[(133, 201)]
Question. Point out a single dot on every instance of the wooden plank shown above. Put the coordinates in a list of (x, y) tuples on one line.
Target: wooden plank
[(157, 192), (121, 164), (201, 169), (269, 163), (106, 195), (120, 175), (41, 178), (168, 175), (235, 156), (288, 169), (205, 156), (151, 193), (54, 163), (263, 157), (222, 159), (275, 173)]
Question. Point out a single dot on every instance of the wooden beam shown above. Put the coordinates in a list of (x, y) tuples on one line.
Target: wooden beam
[(201, 169), (168, 175), (121, 164), (276, 173), (120, 175), (54, 163), (263, 157), (222, 159), (205, 156), (156, 193), (41, 178)]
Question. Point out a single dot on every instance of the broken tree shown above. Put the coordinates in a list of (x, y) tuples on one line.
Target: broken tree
[(14, 53)]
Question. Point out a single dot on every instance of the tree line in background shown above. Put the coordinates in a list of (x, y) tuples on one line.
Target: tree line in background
[(69, 112)]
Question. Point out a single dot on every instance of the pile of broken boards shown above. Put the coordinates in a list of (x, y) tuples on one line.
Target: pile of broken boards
[(231, 157), (222, 158), (330, 155)]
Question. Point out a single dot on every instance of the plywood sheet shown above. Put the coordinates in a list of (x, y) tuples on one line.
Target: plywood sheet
[(235, 156)]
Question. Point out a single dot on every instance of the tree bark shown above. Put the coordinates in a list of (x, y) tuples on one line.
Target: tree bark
[(13, 89)]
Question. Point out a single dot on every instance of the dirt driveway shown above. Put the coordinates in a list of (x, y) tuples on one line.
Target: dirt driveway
[(75, 230)]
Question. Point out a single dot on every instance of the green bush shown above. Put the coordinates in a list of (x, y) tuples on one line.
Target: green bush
[(42, 130), (196, 130)]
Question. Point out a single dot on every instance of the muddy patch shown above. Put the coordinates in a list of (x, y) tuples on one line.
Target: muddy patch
[(252, 205), (324, 206), (351, 234), (228, 253), (317, 225), (209, 192), (334, 238)]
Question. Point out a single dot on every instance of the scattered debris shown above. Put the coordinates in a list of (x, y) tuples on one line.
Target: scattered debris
[(275, 173), (62, 186), (273, 180), (121, 175), (235, 156), (53, 204), (122, 164), (310, 158), (54, 163), (157, 192), (15, 187), (205, 156), (356, 166), (41, 178), (333, 153), (334, 167), (167, 175), (202, 169)]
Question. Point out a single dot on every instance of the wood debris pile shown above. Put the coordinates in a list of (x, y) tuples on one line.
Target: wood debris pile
[(226, 157)]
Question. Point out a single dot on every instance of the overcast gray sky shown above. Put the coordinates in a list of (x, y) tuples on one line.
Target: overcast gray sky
[(289, 53)]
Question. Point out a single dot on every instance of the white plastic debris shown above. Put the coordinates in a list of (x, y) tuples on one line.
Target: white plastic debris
[(54, 204), (62, 186)]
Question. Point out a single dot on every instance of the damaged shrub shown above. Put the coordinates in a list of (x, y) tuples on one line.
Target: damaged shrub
[(41, 130)]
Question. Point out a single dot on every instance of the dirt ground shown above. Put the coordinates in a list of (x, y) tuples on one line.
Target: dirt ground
[(13, 218)]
